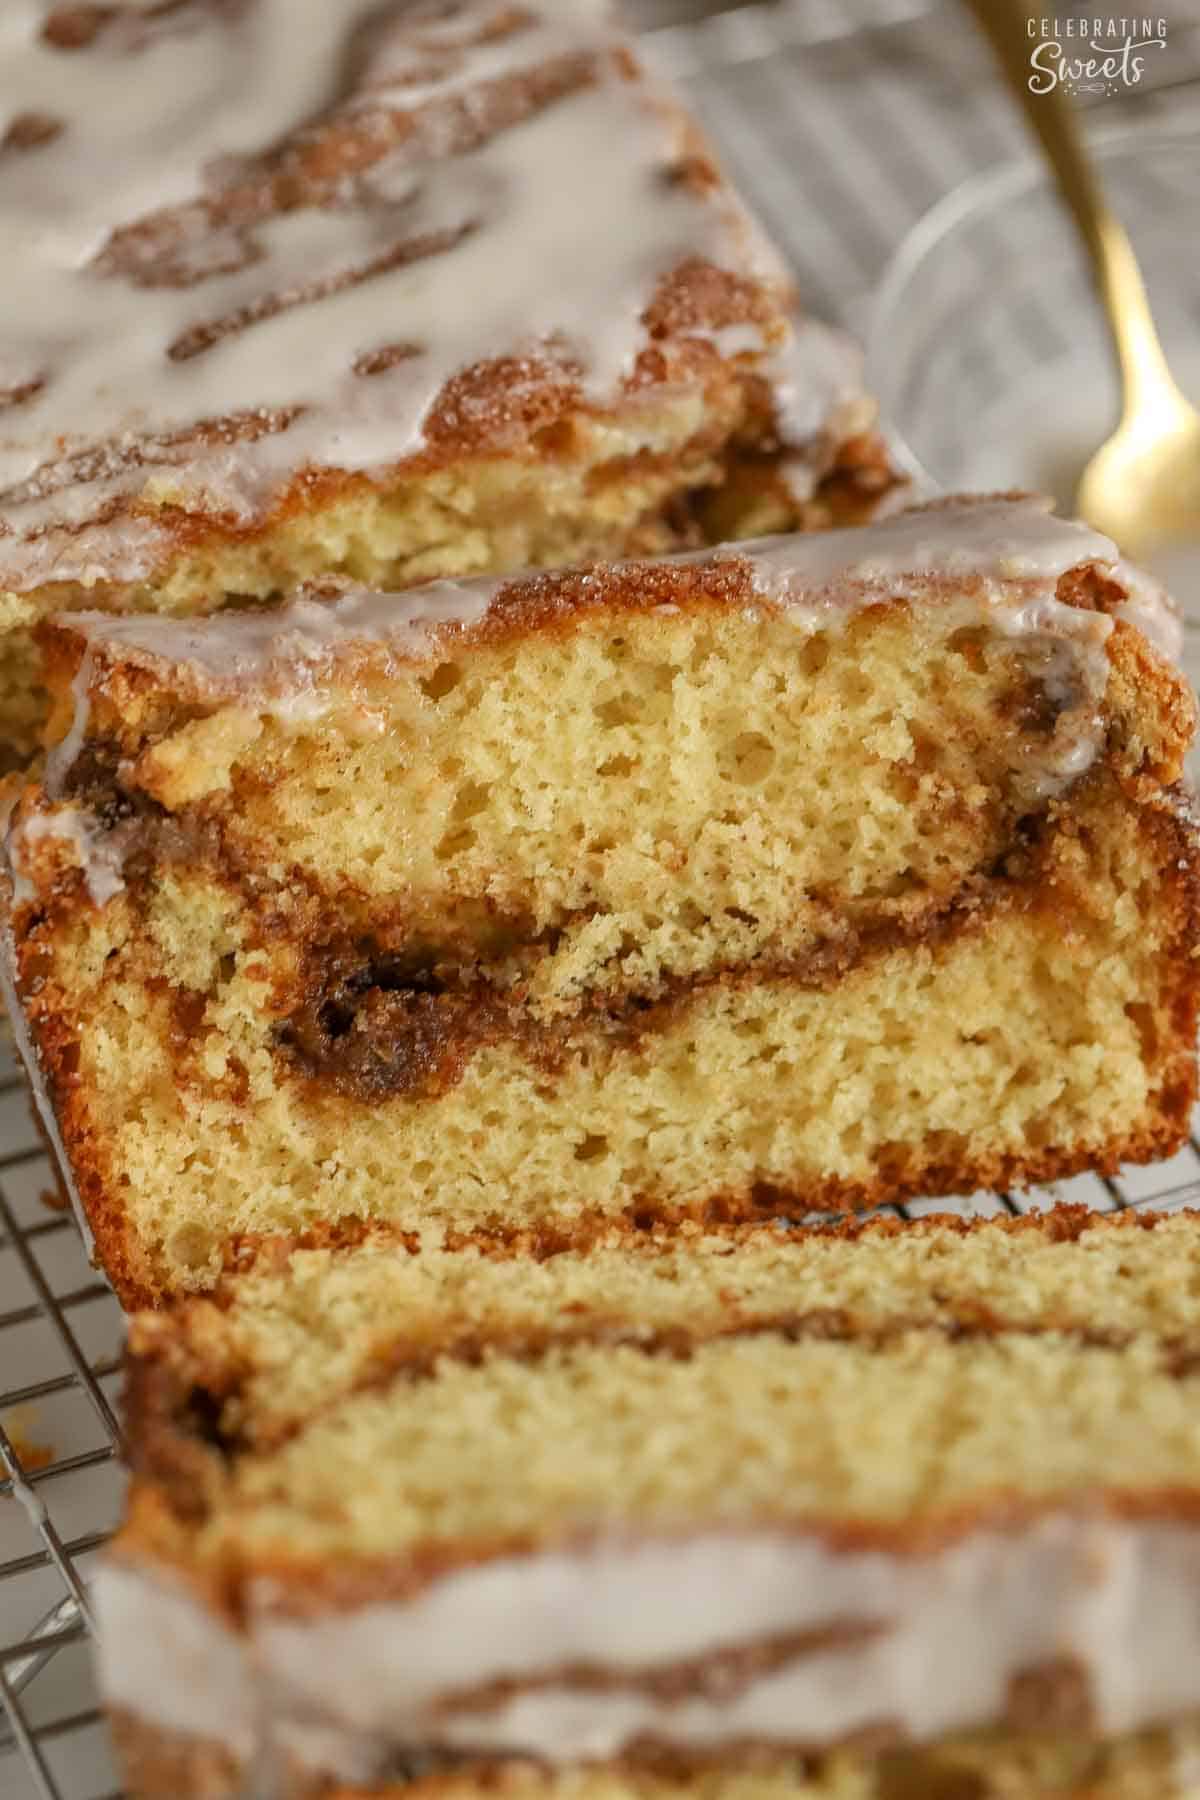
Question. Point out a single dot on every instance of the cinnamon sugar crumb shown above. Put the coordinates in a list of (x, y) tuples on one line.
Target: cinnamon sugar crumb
[(29, 1454)]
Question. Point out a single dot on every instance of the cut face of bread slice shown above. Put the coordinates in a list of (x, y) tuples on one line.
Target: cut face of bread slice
[(687, 1495), (457, 289), (807, 877)]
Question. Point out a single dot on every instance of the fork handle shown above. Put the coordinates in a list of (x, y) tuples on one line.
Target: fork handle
[(1051, 117)]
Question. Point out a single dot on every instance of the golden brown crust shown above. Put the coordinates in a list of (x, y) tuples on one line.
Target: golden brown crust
[(1064, 1223)]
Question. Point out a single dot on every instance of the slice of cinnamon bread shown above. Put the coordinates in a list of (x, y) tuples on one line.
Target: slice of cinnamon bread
[(395, 290), (704, 1497), (812, 876)]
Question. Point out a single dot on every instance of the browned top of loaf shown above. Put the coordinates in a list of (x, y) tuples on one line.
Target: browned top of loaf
[(416, 141)]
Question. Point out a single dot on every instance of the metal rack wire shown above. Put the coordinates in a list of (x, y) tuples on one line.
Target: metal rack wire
[(844, 120), (60, 1340)]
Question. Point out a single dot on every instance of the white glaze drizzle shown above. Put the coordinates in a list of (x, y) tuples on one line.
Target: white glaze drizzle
[(1150, 609), (157, 1638), (347, 1688), (817, 388), (96, 851), (270, 653), (995, 541), (563, 224)]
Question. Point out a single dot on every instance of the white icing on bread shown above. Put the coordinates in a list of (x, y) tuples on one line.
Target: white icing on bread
[(1110, 1594), (158, 276)]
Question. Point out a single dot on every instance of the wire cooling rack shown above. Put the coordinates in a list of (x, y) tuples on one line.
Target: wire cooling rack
[(844, 120)]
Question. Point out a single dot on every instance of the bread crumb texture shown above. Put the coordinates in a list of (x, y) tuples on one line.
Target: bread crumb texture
[(405, 1410), (636, 916)]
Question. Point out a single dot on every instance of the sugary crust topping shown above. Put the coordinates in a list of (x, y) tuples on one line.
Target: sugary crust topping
[(250, 240)]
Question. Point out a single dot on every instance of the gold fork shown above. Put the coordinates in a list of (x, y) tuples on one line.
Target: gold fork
[(1142, 487)]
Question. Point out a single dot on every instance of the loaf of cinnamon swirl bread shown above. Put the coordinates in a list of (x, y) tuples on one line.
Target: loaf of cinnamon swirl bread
[(395, 290)]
